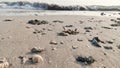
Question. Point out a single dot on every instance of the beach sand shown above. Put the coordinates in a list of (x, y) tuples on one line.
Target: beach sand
[(17, 38)]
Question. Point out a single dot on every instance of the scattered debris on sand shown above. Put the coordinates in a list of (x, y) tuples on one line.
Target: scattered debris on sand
[(58, 21), (4, 63), (37, 22), (37, 31), (85, 60), (71, 32), (95, 41), (37, 50), (117, 22)]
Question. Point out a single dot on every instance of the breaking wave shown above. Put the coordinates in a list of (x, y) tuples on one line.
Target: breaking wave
[(46, 6)]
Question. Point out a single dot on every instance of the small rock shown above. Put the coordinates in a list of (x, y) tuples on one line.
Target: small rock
[(74, 47), (118, 46), (87, 30), (34, 32), (105, 54), (28, 27), (53, 42), (108, 47), (79, 40), (112, 19), (61, 42), (58, 21), (49, 29), (63, 34), (37, 22), (118, 18), (70, 31), (37, 50), (81, 22), (110, 42), (54, 49), (36, 59), (43, 28), (102, 13), (90, 28), (33, 22), (115, 25), (69, 26), (44, 22), (95, 41), (43, 33)]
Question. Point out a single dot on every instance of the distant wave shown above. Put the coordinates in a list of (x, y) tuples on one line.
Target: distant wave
[(46, 6)]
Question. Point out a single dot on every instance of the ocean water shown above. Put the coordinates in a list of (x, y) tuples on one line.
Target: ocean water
[(19, 12), (28, 8)]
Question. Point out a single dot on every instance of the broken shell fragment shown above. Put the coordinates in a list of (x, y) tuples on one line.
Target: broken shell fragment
[(36, 59), (4, 63), (53, 42), (23, 59)]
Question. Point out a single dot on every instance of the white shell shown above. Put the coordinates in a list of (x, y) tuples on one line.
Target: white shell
[(37, 59), (4, 63)]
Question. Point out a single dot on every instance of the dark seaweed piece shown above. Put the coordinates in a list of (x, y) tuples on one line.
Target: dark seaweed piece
[(85, 60)]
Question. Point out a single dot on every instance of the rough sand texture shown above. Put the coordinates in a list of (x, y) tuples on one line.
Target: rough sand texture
[(17, 39)]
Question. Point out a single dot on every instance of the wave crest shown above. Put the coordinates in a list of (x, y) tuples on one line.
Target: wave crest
[(46, 6)]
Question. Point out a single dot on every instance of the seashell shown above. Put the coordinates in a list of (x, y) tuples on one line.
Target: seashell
[(4, 63), (74, 47), (36, 59)]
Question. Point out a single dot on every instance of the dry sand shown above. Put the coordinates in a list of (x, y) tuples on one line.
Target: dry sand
[(17, 39)]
